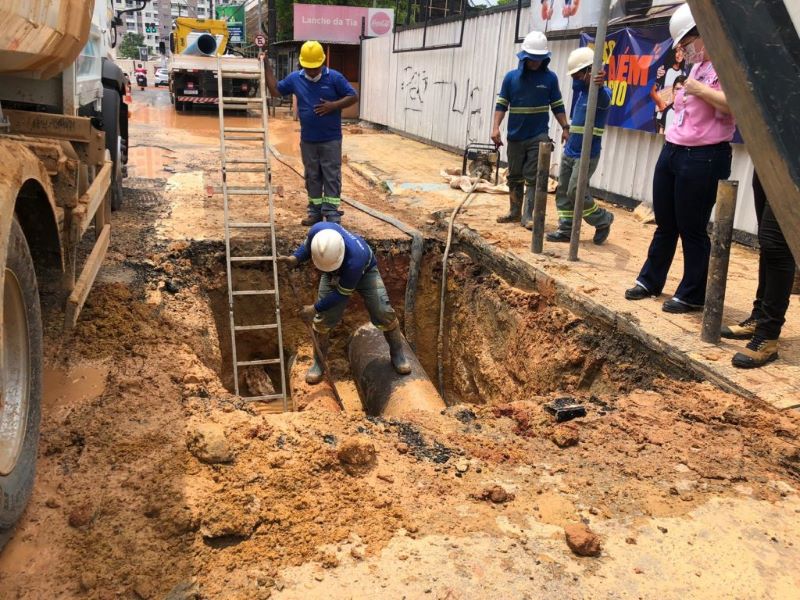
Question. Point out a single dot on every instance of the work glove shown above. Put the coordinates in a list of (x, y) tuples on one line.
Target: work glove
[(307, 313), (290, 262)]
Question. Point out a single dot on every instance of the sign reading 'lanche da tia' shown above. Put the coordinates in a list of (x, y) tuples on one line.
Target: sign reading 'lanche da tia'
[(340, 24)]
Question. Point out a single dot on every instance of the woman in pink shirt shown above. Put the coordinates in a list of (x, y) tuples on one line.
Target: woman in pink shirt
[(696, 155)]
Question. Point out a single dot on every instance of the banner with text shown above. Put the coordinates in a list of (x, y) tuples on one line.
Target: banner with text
[(643, 73), (340, 24), (233, 15)]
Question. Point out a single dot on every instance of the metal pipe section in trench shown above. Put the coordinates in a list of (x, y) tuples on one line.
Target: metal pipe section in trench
[(383, 391)]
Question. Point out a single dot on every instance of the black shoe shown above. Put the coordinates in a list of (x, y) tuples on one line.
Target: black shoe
[(637, 292), (309, 221), (601, 233), (558, 236), (743, 331), (675, 306)]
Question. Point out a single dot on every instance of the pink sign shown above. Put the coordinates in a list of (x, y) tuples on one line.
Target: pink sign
[(342, 24)]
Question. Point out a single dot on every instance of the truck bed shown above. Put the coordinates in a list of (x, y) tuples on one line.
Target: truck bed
[(247, 66)]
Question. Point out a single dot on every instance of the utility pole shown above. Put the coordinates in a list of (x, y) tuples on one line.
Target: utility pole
[(588, 130)]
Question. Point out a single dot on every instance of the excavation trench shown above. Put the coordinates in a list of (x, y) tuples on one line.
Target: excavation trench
[(502, 342)]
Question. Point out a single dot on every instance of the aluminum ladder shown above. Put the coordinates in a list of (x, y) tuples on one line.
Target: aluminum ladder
[(234, 196)]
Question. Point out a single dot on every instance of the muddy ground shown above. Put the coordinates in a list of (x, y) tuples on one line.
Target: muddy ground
[(155, 481)]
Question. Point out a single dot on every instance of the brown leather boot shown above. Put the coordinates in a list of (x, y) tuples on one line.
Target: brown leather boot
[(756, 354), (743, 331)]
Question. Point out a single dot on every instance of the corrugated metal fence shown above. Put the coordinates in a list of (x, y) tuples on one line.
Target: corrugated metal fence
[(447, 96)]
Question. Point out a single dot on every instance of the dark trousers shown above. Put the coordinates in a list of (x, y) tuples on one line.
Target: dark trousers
[(775, 270), (322, 162), (684, 193)]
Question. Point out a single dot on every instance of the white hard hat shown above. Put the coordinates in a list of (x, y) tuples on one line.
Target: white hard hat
[(534, 46), (580, 58), (680, 23), (327, 250)]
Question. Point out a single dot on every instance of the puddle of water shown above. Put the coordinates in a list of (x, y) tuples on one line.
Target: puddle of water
[(78, 385), (200, 122), (147, 161)]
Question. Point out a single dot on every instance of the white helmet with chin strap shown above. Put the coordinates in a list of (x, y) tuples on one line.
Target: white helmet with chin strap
[(580, 58), (327, 250), (534, 47), (680, 23)]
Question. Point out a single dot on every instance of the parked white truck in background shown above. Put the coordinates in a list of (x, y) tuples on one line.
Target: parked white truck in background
[(63, 143)]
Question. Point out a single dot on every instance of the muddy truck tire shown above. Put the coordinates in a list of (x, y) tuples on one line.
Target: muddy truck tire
[(111, 125), (20, 381)]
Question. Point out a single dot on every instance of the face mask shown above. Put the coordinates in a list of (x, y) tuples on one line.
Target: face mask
[(313, 79), (692, 55)]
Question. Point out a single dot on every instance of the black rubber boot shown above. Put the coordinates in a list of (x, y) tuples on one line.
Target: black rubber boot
[(527, 209), (515, 209), (315, 372), (309, 221), (399, 360)]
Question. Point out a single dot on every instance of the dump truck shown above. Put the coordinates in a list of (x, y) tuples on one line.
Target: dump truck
[(195, 45), (63, 140)]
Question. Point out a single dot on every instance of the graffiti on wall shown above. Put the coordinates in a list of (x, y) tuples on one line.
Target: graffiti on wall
[(414, 87), (461, 98)]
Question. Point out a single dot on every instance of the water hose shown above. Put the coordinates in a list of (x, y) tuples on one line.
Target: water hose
[(443, 291)]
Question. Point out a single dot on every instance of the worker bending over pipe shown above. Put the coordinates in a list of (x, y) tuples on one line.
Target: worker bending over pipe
[(348, 264)]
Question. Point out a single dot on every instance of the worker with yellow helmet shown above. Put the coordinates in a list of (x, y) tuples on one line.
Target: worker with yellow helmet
[(321, 94)]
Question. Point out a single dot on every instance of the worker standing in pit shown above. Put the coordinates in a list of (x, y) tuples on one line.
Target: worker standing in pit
[(529, 93), (579, 65), (348, 264), (322, 94)]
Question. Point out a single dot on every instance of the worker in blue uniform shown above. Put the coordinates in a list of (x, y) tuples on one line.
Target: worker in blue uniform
[(348, 265), (322, 94), (528, 94), (579, 65)]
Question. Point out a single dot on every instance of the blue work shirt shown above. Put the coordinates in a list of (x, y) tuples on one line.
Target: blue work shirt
[(332, 86), (358, 259), (580, 92), (529, 96)]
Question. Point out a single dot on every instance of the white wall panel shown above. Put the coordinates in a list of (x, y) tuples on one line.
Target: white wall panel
[(447, 96)]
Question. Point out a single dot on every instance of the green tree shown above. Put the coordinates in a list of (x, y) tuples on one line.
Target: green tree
[(129, 47)]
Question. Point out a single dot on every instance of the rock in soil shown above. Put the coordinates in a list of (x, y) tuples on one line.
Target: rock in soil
[(565, 435), (357, 455), (582, 540), (496, 494), (80, 516), (186, 590), (207, 442), (226, 520)]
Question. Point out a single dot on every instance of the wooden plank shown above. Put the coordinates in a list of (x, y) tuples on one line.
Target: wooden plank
[(90, 202), (63, 127), (754, 54), (88, 274)]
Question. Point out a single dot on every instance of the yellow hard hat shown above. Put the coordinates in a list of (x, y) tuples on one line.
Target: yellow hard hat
[(312, 55)]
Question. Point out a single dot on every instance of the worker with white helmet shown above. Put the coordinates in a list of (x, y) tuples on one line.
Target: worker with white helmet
[(528, 94), (696, 155), (348, 265), (579, 65), (322, 94)]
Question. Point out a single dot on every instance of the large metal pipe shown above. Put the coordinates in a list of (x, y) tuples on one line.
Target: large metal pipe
[(204, 45), (383, 392)]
